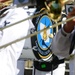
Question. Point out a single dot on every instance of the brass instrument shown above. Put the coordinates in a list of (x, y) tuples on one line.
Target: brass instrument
[(5, 3), (55, 8), (25, 37)]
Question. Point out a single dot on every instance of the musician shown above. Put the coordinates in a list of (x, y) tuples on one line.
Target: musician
[(62, 42), (10, 54), (53, 68)]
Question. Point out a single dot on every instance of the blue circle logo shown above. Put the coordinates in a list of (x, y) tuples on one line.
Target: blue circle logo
[(43, 38)]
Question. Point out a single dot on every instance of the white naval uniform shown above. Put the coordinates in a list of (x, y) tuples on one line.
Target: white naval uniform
[(61, 46), (10, 54)]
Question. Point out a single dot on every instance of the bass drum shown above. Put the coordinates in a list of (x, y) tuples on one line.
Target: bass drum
[(38, 46), (41, 42)]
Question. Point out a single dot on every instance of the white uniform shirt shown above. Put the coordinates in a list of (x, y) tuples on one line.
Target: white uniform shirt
[(10, 54), (61, 47), (61, 44)]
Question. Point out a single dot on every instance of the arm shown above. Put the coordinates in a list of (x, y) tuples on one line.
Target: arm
[(61, 44), (15, 32), (61, 41)]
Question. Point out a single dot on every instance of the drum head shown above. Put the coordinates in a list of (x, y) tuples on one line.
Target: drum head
[(42, 42)]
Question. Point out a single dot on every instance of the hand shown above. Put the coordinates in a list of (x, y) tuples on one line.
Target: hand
[(70, 24)]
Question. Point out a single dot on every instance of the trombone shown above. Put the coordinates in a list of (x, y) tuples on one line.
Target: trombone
[(37, 32)]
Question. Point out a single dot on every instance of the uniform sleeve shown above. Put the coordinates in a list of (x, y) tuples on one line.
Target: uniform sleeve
[(61, 44), (15, 32)]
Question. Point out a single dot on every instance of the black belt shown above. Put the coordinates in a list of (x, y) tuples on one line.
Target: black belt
[(48, 66)]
